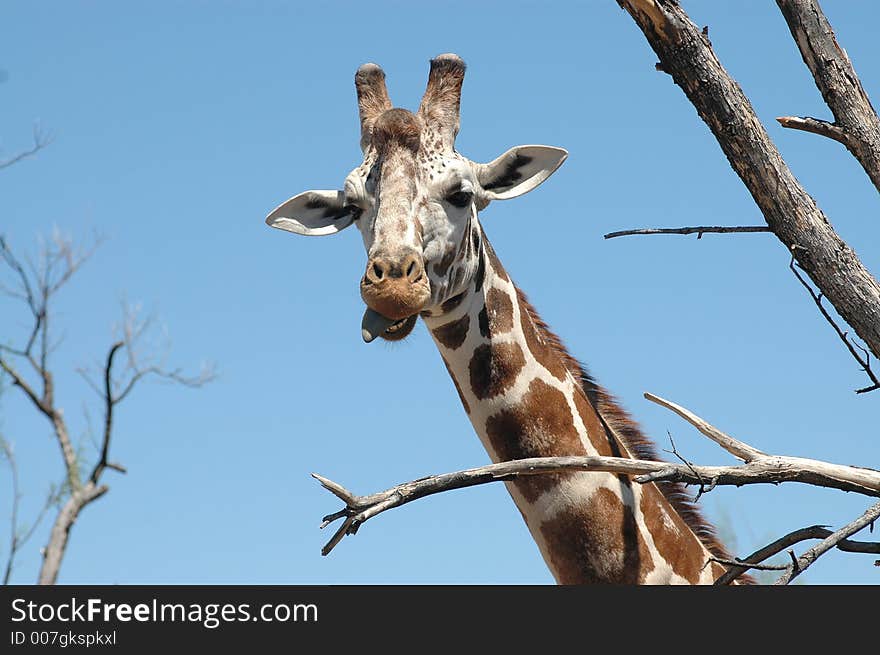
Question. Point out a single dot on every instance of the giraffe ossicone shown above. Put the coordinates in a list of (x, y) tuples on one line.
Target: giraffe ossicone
[(415, 201)]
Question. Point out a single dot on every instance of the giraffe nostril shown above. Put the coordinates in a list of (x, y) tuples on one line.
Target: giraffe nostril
[(414, 269), (377, 271)]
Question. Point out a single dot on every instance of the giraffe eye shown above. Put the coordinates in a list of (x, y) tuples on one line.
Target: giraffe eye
[(460, 198)]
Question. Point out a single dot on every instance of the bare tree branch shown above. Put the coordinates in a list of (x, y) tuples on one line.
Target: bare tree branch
[(735, 447), (54, 551), (108, 413), (19, 382), (771, 469), (37, 290), (37, 282), (740, 564), (814, 125), (686, 54), (18, 537), (699, 230), (90, 490), (856, 124), (16, 498), (41, 140), (864, 359), (800, 564), (813, 532), (759, 468)]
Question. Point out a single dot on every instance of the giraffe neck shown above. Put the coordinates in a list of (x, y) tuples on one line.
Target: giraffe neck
[(526, 399)]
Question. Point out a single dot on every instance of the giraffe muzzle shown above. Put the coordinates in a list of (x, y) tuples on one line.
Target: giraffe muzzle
[(395, 290)]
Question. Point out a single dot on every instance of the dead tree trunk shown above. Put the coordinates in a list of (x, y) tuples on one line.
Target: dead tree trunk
[(686, 54), (855, 122)]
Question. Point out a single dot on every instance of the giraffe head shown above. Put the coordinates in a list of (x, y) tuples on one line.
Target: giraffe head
[(414, 199)]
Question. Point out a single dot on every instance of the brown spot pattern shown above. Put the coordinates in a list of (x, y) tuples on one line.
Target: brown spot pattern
[(597, 542), (500, 311), (540, 425), (483, 321), (494, 367), (597, 434), (496, 317), (453, 334), (541, 350), (675, 543), (692, 528)]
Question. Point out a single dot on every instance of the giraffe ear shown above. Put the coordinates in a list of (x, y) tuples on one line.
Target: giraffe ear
[(518, 171), (313, 213)]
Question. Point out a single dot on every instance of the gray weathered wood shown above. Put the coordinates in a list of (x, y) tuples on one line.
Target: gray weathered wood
[(855, 122), (759, 468), (686, 54)]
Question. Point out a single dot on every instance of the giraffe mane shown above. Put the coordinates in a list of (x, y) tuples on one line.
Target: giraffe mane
[(634, 440)]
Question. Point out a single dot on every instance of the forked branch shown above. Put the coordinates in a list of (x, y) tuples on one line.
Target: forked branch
[(863, 357), (35, 284), (758, 468), (740, 566), (856, 124), (41, 140), (793, 216), (800, 564)]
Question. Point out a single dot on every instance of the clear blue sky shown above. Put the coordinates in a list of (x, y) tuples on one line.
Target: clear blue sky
[(180, 125)]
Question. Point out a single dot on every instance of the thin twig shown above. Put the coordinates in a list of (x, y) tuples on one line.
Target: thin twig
[(864, 361), (17, 537), (20, 382), (16, 498), (786, 541), (800, 564), (738, 563), (735, 447), (699, 230), (702, 485), (41, 140), (37, 281)]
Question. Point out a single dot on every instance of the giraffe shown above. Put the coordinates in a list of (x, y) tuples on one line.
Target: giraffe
[(415, 201)]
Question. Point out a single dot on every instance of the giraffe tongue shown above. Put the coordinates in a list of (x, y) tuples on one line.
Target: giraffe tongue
[(374, 324)]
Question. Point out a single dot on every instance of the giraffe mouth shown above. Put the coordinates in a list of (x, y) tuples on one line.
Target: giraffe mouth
[(376, 325)]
